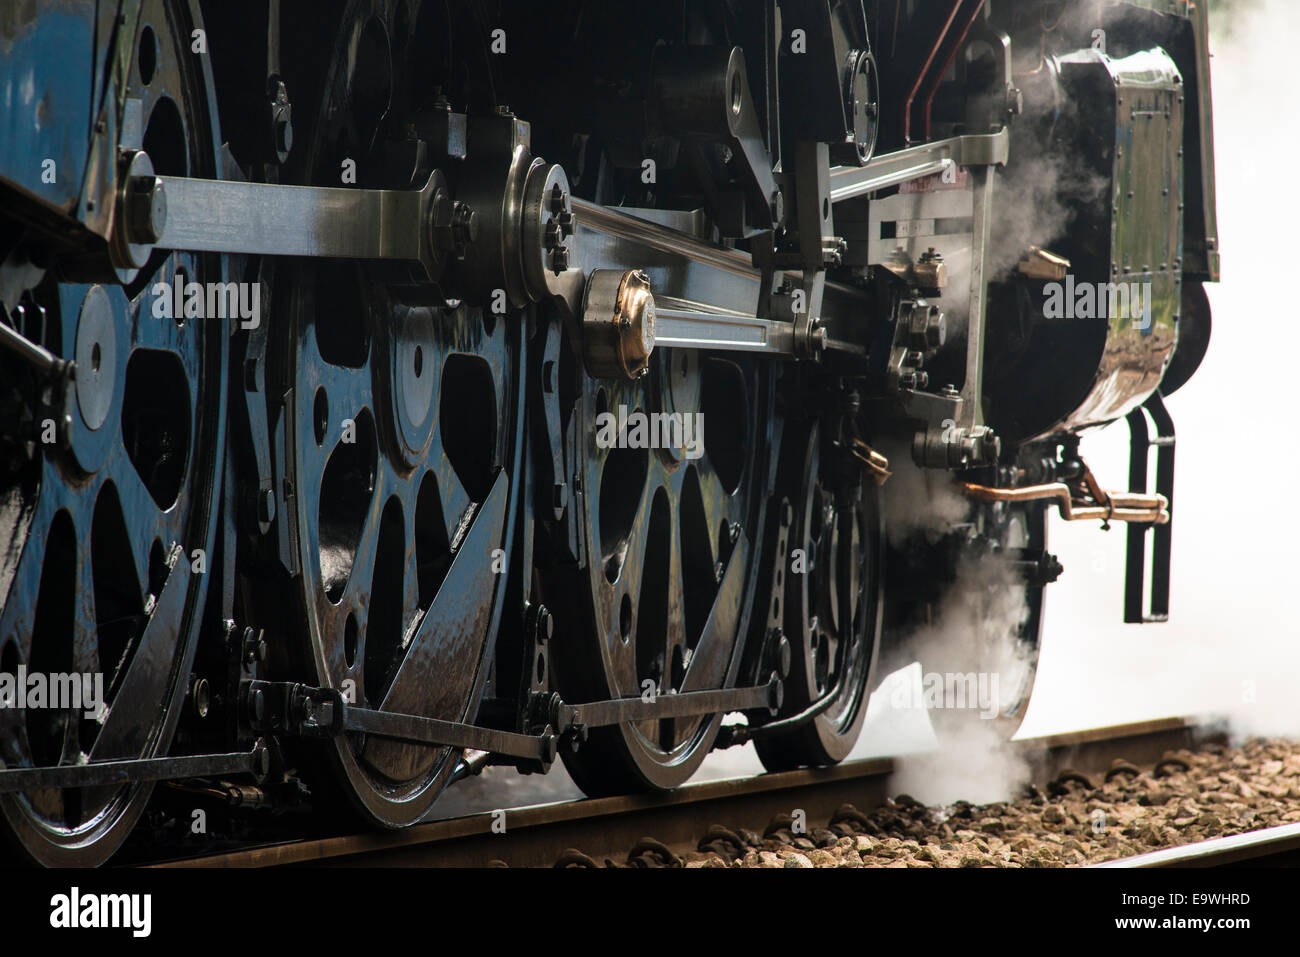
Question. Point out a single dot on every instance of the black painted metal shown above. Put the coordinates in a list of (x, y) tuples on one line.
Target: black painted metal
[(1135, 572), (103, 773)]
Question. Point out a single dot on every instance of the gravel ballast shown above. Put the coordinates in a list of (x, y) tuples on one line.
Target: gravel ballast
[(1187, 797)]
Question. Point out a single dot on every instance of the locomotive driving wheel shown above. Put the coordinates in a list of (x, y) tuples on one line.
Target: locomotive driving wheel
[(981, 612), (670, 536), (107, 529), (1016, 538), (404, 434), (829, 593)]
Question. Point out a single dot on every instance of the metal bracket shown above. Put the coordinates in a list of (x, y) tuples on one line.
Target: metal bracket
[(304, 711), (1162, 534)]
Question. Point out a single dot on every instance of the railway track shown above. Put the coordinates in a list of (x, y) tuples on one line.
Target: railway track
[(538, 836), (1270, 847)]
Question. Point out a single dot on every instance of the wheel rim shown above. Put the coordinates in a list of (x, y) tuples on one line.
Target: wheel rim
[(662, 531), (1000, 613), (103, 575), (405, 436), (1013, 529), (831, 611)]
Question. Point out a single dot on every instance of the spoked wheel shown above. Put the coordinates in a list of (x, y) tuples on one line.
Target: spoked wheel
[(100, 571), (830, 599), (670, 537), (404, 431), (980, 625)]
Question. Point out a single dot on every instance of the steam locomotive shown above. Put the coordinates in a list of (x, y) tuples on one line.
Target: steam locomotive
[(392, 388)]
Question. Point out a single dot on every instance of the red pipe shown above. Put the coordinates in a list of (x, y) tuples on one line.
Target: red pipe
[(934, 51), (938, 77)]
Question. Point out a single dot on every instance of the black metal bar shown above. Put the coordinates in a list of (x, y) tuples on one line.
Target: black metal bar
[(98, 773), (1135, 559), (1162, 545), (598, 714), (322, 712), (1135, 572), (409, 727)]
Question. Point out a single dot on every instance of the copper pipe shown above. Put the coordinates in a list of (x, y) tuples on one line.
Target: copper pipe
[(1110, 506), (925, 69), (938, 77)]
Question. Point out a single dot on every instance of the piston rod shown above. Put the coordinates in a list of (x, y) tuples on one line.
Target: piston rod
[(891, 169)]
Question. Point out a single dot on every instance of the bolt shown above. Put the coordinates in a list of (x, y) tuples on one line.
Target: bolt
[(254, 647), (539, 623), (256, 705), (146, 209), (936, 329), (576, 736), (816, 337), (464, 226), (558, 199), (558, 261)]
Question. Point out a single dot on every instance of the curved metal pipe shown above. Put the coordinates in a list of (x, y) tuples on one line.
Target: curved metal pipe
[(1111, 506)]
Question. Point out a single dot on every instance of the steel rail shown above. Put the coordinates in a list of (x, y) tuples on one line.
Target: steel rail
[(1271, 845)]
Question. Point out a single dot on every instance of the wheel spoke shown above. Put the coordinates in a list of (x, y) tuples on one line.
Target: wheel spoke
[(712, 653), (446, 642), (157, 325), (85, 645), (138, 696), (145, 523)]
